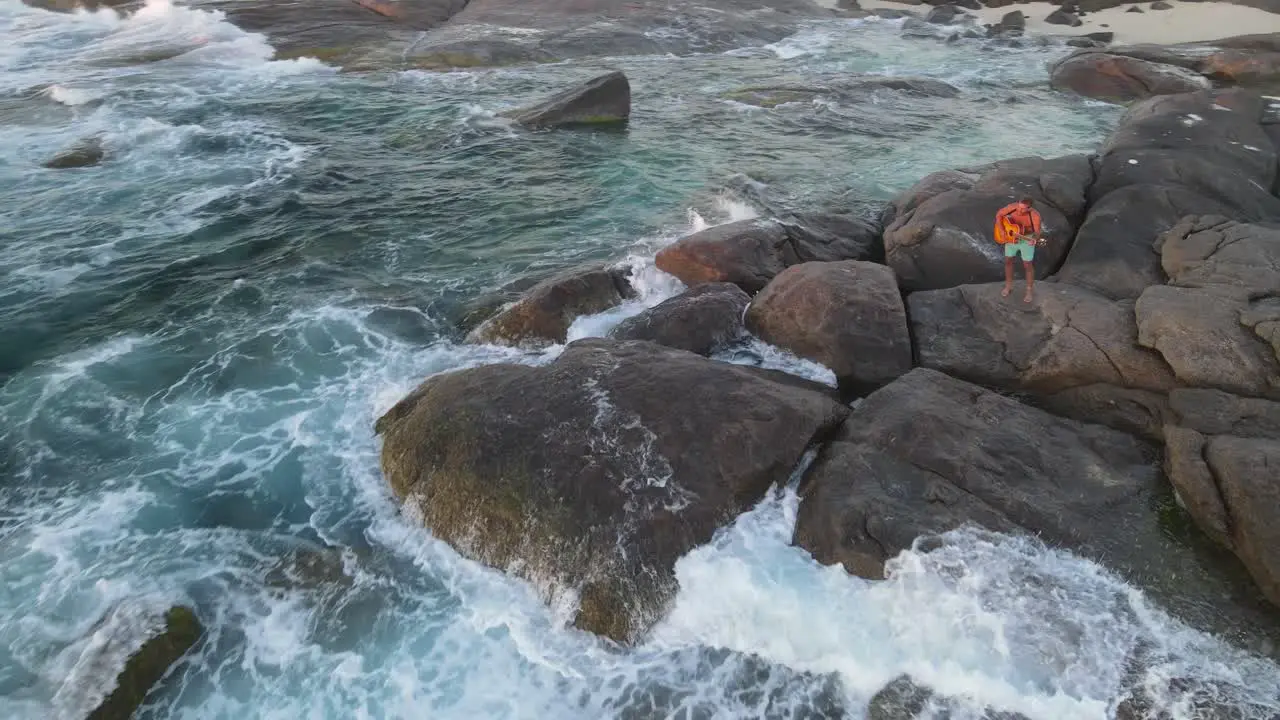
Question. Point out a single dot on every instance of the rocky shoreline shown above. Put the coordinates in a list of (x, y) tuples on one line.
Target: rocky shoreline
[(1130, 414), (1142, 385)]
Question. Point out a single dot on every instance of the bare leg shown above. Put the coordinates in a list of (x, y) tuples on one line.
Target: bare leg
[(1031, 279), (1008, 277)]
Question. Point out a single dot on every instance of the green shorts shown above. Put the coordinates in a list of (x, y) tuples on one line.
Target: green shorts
[(1026, 249)]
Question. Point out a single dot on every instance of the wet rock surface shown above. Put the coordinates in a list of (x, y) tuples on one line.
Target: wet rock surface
[(596, 472), (544, 313), (603, 100)]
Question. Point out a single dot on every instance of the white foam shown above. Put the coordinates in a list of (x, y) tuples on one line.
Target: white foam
[(759, 353)]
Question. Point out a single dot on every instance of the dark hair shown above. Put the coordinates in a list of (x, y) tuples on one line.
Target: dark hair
[(1028, 202)]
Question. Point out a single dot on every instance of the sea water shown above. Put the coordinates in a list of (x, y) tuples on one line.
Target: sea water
[(199, 333)]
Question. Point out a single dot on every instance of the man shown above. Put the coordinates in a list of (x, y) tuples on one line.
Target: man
[(1018, 230)]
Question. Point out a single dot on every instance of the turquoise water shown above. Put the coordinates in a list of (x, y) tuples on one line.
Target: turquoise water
[(200, 332)]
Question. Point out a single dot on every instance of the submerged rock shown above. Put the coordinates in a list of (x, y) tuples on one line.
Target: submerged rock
[(847, 316), (602, 100), (940, 231), (545, 311), (701, 320), (595, 473), (1120, 78), (844, 89), (84, 153), (750, 253), (140, 645), (1074, 350)]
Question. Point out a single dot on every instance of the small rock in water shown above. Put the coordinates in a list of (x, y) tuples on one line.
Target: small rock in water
[(1062, 17), (85, 153), (1134, 9), (1102, 37), (166, 638), (1160, 5), (701, 320), (600, 101)]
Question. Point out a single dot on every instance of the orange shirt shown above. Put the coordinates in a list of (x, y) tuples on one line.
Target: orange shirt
[(1016, 219)]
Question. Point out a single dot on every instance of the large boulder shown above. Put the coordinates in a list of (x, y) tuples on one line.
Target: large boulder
[(750, 253), (1120, 78), (1221, 453), (847, 316), (601, 100), (1216, 321), (939, 232), (1170, 156), (929, 453), (545, 311), (595, 473), (701, 320), (131, 650), (1210, 337), (1075, 351), (1207, 251)]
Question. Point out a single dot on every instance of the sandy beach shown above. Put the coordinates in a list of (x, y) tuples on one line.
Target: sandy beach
[(1185, 22)]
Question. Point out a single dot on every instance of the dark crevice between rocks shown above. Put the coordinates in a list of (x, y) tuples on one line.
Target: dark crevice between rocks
[(1228, 520)]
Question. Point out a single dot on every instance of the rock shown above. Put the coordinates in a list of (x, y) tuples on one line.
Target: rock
[(1119, 78), (940, 234), (1206, 337), (1169, 157), (1221, 456), (1202, 252), (901, 699), (1102, 37), (1012, 23), (1076, 351), (1062, 17), (944, 15), (474, 312), (893, 13), (701, 320), (1134, 9), (1083, 42), (749, 253), (847, 316), (133, 648), (84, 153), (1215, 322), (1214, 412), (1160, 5), (596, 472), (602, 100), (1243, 67), (928, 453), (545, 312)]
